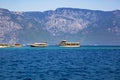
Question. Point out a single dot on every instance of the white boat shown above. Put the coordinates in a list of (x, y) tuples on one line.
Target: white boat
[(4, 45), (43, 44), (64, 43)]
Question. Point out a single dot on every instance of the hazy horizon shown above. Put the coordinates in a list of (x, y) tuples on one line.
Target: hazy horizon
[(31, 5)]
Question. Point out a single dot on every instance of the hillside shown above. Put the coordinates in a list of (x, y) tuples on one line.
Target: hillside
[(89, 27)]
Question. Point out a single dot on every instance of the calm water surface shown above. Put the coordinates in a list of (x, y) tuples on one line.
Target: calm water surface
[(55, 63)]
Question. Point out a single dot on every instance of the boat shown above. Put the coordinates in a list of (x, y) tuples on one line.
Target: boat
[(43, 44), (65, 43), (17, 45), (4, 45)]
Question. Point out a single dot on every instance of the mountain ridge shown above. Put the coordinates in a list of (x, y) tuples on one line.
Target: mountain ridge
[(89, 27)]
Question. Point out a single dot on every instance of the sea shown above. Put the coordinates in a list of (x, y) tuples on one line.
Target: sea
[(59, 63)]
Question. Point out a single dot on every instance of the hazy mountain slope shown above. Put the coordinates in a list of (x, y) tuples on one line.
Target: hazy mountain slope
[(86, 26)]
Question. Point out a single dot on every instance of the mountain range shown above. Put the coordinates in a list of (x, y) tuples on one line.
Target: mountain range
[(89, 27)]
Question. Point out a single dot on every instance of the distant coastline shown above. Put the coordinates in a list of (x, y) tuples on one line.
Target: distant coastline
[(92, 27)]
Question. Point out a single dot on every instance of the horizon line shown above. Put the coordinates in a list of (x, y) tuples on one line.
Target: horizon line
[(58, 8)]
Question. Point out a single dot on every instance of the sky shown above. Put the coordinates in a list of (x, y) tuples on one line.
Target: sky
[(44, 5)]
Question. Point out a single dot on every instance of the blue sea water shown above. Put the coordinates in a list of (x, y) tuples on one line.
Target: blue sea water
[(57, 63)]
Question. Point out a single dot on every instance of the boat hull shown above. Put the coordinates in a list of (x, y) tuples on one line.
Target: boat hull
[(39, 45), (69, 44)]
